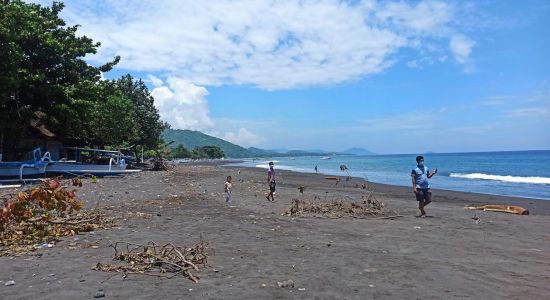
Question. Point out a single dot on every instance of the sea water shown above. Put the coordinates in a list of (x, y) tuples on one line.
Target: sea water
[(514, 173)]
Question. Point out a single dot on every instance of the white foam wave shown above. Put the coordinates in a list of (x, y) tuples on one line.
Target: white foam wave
[(266, 166), (505, 178)]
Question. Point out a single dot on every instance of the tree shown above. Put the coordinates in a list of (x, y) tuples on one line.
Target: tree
[(41, 65), (207, 152), (180, 152), (213, 151), (146, 117)]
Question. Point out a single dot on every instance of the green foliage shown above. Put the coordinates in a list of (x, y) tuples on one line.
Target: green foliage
[(41, 64), (198, 153), (180, 152), (146, 117), (44, 79), (213, 151)]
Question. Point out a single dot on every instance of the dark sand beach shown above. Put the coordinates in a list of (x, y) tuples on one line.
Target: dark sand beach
[(252, 245)]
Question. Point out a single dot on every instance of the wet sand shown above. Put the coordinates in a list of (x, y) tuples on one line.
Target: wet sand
[(253, 246)]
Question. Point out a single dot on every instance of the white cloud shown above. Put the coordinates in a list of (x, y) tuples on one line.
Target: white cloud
[(244, 138), (157, 82), (530, 113), (425, 17), (183, 104), (269, 44), (461, 46)]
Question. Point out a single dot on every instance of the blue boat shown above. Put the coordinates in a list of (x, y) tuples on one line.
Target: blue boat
[(25, 169)]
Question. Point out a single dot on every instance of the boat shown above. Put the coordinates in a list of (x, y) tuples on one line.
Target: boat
[(25, 169), (326, 157), (105, 162)]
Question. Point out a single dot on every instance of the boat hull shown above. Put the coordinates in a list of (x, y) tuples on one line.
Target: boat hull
[(11, 171), (81, 169)]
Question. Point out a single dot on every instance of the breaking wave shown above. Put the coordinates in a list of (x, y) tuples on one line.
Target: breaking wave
[(504, 178)]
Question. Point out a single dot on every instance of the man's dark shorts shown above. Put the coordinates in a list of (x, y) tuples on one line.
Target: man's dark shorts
[(424, 194), (272, 187)]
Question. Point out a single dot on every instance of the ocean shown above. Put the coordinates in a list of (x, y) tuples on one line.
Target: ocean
[(513, 173)]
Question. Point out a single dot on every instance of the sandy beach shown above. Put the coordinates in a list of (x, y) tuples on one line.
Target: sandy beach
[(252, 245)]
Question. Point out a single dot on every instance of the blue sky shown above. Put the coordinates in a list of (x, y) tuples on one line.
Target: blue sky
[(389, 76)]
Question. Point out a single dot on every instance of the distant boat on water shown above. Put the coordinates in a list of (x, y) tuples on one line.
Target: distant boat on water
[(326, 157)]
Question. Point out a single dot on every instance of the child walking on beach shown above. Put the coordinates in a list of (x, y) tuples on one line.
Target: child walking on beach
[(227, 188)]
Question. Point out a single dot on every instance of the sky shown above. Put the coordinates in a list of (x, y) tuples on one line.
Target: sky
[(388, 76)]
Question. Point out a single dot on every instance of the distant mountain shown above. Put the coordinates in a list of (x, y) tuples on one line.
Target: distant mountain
[(257, 152), (191, 139), (359, 151), (280, 150), (321, 151)]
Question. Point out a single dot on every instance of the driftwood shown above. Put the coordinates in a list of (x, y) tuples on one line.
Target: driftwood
[(142, 259), (390, 217), (511, 209)]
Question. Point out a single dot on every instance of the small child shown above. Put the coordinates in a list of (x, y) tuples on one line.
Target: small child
[(227, 189)]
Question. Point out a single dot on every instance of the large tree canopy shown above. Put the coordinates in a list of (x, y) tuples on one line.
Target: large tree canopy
[(45, 80)]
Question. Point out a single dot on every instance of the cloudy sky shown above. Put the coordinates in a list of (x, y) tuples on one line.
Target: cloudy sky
[(389, 76)]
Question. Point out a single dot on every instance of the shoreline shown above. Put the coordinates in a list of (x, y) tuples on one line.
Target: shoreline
[(254, 245), (534, 205), (339, 174)]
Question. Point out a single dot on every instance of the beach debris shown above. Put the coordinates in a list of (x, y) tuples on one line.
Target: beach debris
[(336, 208), (99, 294), (337, 179), (9, 283), (45, 245), (390, 217), (286, 283), (32, 219), (368, 206), (511, 209), (301, 189), (476, 218), (143, 259)]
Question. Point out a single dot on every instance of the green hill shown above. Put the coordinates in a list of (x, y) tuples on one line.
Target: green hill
[(191, 139)]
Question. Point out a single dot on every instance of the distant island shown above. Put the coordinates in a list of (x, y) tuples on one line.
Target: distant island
[(359, 151), (192, 139)]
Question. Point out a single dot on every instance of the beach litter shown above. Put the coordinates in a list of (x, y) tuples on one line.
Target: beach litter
[(286, 283), (511, 209), (143, 259), (9, 283)]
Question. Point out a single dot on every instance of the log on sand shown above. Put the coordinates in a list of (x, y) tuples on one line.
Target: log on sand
[(511, 209)]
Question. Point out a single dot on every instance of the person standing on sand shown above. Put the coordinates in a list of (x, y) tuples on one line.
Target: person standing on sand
[(271, 182), (420, 185), (316, 170), (227, 188)]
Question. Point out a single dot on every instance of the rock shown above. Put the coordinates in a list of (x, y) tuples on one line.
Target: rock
[(99, 294), (286, 284), (10, 283)]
